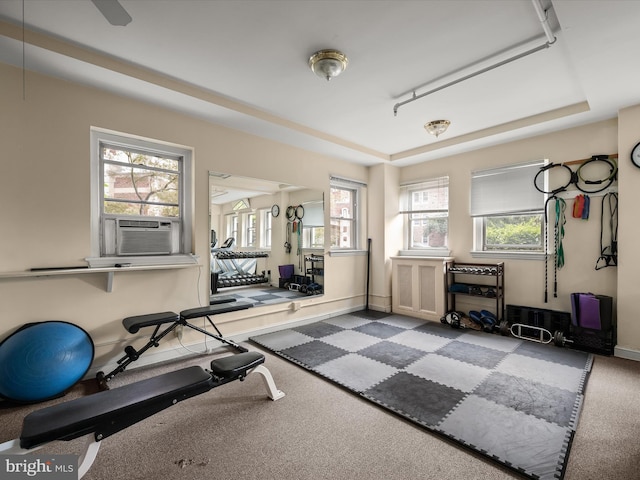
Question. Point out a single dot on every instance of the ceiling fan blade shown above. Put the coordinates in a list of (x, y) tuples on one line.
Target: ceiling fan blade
[(113, 12)]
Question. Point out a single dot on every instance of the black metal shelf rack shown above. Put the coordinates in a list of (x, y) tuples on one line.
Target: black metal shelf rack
[(480, 280)]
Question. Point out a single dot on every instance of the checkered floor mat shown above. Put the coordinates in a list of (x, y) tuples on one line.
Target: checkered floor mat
[(514, 401), (260, 295)]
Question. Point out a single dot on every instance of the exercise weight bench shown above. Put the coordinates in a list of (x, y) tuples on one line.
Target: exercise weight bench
[(134, 324), (105, 413)]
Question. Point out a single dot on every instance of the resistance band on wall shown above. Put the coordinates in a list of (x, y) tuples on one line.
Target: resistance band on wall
[(561, 206), (294, 225), (609, 254), (558, 254), (287, 243), (580, 210), (299, 216), (581, 207)]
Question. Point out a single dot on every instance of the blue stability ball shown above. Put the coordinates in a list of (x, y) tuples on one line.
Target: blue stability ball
[(42, 360)]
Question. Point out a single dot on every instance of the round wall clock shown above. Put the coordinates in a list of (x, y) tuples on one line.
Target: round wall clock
[(275, 210), (635, 155)]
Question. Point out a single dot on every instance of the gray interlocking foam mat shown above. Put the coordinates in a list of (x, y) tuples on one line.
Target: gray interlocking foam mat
[(260, 295), (512, 400)]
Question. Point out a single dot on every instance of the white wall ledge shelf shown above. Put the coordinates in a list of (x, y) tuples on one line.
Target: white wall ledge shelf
[(108, 271)]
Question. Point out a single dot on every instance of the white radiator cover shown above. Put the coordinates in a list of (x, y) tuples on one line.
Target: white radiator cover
[(418, 286)]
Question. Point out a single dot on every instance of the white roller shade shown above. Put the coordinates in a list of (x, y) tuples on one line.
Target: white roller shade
[(435, 200), (313, 214), (505, 190)]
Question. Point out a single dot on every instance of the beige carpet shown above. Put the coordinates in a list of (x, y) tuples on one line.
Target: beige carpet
[(320, 431)]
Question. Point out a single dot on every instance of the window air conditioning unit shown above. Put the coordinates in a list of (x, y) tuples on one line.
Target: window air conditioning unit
[(143, 237)]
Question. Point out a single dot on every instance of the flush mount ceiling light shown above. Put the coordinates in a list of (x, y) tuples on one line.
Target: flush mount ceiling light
[(437, 127), (328, 63)]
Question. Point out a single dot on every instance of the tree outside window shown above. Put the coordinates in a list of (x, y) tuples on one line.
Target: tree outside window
[(140, 183)]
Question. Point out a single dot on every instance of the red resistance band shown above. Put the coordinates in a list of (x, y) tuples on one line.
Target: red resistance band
[(581, 207)]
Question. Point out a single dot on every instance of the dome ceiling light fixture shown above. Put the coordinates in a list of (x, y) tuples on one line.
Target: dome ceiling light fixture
[(437, 127), (328, 63)]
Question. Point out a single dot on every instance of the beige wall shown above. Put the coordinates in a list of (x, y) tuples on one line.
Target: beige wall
[(629, 233), (524, 279), (45, 193), (385, 228)]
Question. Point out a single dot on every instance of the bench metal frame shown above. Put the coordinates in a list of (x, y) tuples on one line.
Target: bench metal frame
[(133, 325)]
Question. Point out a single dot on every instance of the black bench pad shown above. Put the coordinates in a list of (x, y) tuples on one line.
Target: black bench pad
[(133, 324), (222, 299), (214, 309), (110, 411), (237, 365)]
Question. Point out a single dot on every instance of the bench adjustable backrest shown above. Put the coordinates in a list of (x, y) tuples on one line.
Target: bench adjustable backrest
[(214, 309), (133, 324)]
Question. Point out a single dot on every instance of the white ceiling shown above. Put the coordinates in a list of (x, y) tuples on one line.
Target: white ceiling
[(225, 188), (243, 64)]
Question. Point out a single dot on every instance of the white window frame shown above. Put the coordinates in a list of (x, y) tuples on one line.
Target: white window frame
[(312, 222), (266, 228), (231, 226), (185, 251), (407, 209), (250, 231), (522, 187), (308, 234), (356, 188)]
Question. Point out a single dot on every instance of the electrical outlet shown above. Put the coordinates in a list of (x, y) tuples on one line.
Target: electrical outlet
[(178, 332)]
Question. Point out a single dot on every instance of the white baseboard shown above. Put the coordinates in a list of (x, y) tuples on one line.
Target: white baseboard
[(627, 353)]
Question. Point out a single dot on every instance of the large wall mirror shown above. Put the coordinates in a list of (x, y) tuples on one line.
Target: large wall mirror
[(267, 240)]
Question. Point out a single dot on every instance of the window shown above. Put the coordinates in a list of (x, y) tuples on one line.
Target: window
[(265, 228), (232, 226), (139, 183), (313, 225), (508, 210), (312, 237), (140, 202), (425, 206), (344, 213), (250, 237)]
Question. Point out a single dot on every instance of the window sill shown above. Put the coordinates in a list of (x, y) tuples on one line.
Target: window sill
[(432, 252), (509, 255), (346, 253)]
